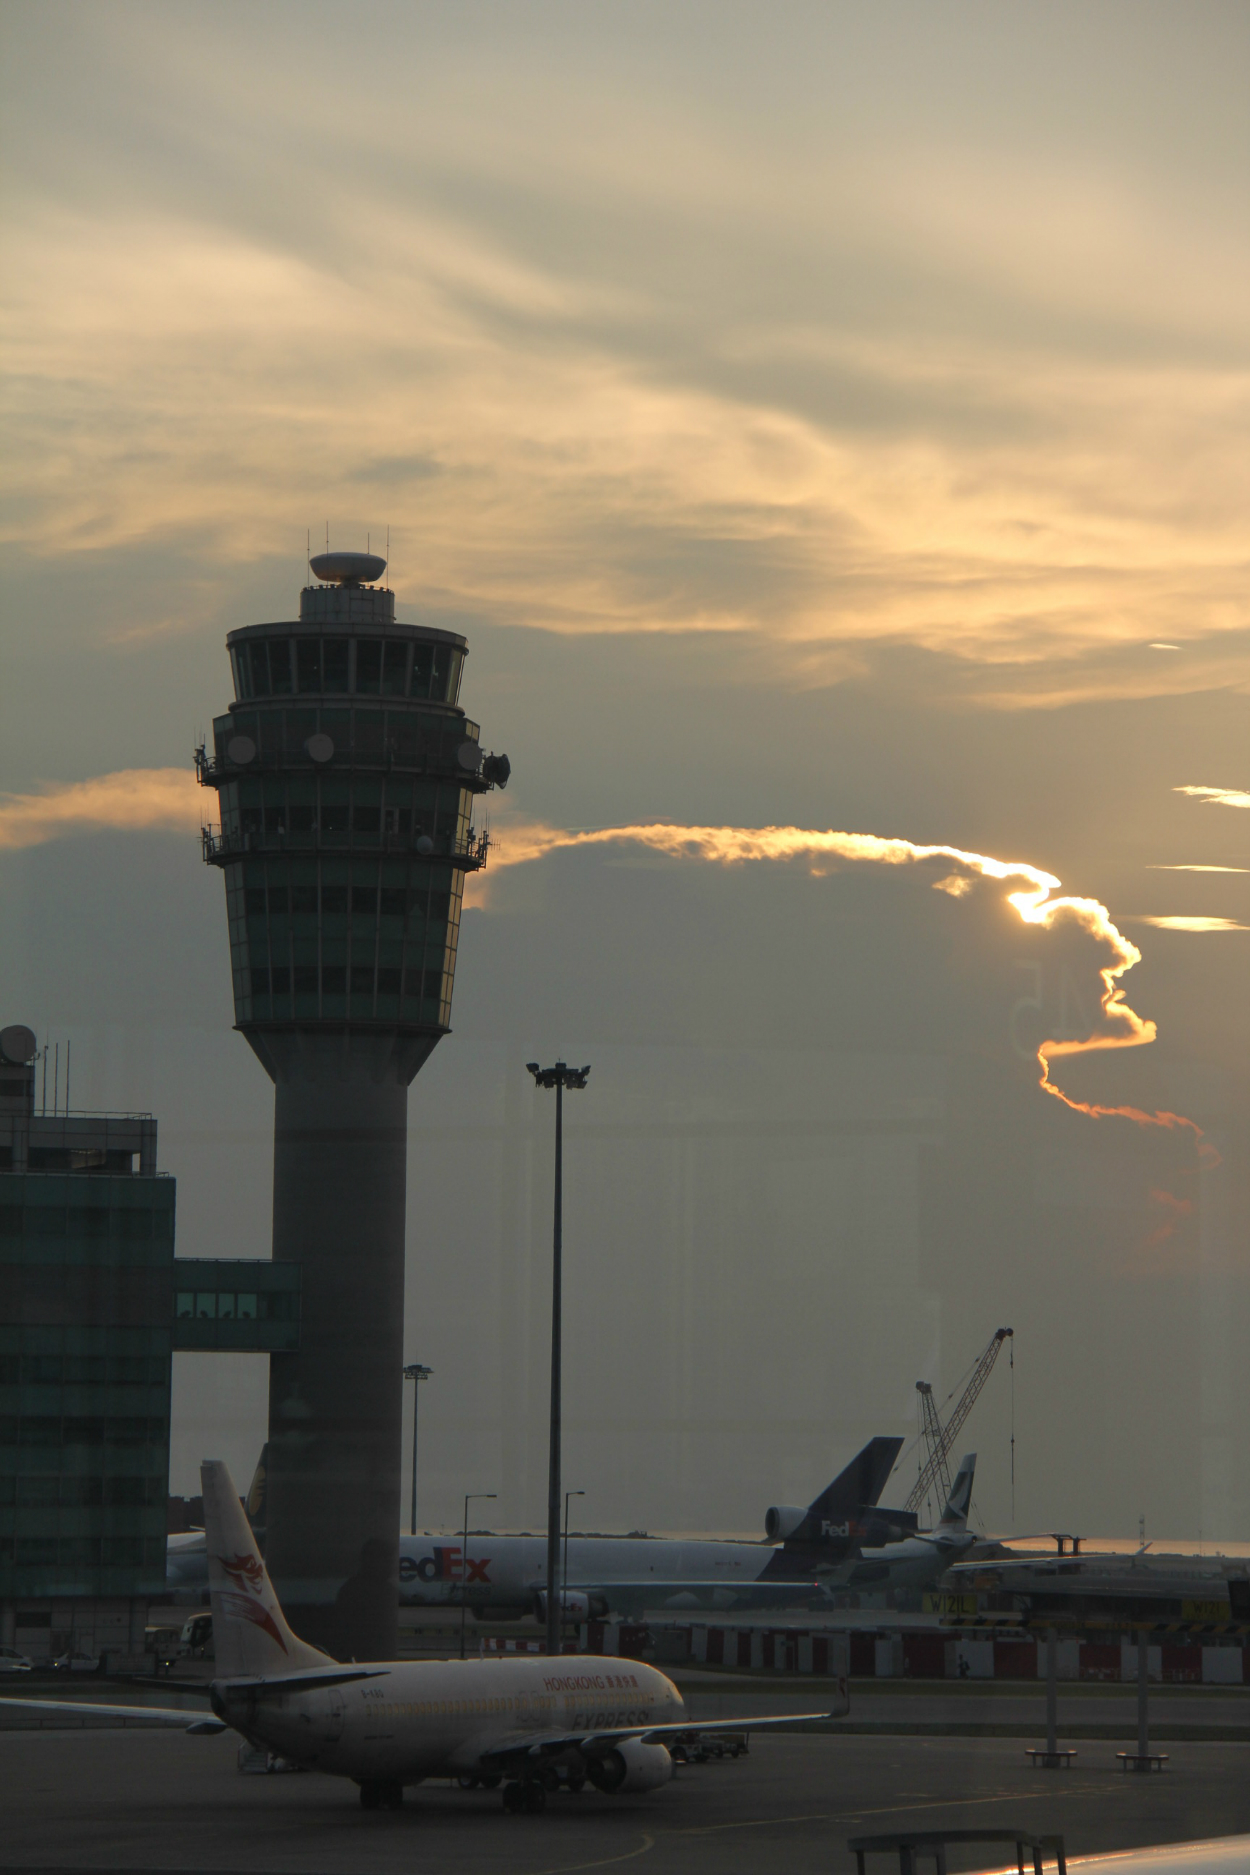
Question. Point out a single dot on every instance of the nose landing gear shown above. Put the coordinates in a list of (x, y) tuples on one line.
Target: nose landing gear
[(528, 1797), (381, 1794)]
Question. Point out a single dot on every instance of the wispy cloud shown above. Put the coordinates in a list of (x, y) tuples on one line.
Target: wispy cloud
[(1185, 924), (1218, 797), (132, 799), (1198, 869), (600, 382)]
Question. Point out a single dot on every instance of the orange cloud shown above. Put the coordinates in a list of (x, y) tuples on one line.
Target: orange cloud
[(1218, 797), (132, 798), (1119, 1026)]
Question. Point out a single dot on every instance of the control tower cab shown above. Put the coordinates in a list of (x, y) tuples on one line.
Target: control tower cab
[(347, 775)]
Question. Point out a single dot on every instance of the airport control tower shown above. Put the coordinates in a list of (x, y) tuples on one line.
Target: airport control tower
[(347, 774)]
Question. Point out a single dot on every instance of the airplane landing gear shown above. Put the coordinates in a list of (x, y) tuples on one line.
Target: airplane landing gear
[(380, 1794), (529, 1797)]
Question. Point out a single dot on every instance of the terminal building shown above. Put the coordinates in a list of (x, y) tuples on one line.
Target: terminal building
[(93, 1305)]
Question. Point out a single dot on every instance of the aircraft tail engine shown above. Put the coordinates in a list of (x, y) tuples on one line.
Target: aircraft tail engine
[(630, 1766), (781, 1521)]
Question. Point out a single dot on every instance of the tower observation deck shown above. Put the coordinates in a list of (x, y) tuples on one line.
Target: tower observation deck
[(347, 774)]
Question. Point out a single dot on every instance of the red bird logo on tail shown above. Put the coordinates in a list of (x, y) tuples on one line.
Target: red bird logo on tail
[(243, 1601)]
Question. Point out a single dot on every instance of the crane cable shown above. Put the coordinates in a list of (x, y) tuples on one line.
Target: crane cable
[(1011, 1362)]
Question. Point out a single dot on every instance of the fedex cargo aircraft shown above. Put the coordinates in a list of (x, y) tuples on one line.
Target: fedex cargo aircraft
[(506, 1575)]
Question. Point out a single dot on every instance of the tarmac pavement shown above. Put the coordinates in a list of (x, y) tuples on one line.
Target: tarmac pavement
[(162, 1800)]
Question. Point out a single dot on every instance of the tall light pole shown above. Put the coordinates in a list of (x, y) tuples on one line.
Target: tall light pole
[(416, 1373), (559, 1077), (564, 1573), (464, 1561)]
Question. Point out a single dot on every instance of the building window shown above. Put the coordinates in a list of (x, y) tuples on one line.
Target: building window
[(308, 664), (362, 979), (334, 979), (245, 1306), (82, 1431), (334, 664), (206, 1305), (368, 666), (395, 668), (364, 898)]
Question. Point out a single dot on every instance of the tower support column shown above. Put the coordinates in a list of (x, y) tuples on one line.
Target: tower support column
[(335, 1407)]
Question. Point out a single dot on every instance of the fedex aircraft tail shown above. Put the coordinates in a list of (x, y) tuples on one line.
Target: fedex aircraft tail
[(955, 1516), (860, 1484), (250, 1634)]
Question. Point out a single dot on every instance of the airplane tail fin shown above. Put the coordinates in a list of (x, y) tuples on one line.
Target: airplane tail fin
[(955, 1515), (250, 1634), (861, 1483)]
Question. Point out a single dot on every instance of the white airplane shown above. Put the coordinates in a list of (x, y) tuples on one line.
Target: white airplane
[(507, 1575), (926, 1554), (388, 1724)]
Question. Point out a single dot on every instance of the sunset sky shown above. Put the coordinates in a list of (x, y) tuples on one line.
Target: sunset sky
[(828, 418)]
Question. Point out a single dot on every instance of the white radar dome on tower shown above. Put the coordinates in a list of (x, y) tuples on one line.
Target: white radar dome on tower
[(347, 569)]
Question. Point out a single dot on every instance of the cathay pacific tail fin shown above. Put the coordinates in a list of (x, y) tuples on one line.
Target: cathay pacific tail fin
[(955, 1515), (250, 1634)]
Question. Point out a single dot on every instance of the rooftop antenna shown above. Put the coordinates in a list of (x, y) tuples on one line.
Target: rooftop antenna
[(327, 537), (308, 537), (68, 1046), (388, 556)]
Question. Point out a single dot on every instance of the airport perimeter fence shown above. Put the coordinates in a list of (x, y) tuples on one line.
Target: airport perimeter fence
[(932, 1654)]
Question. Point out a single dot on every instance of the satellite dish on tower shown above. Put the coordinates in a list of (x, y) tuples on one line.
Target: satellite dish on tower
[(17, 1044), (347, 569), (320, 747)]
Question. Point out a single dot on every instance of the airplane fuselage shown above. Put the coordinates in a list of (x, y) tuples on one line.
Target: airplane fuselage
[(401, 1722)]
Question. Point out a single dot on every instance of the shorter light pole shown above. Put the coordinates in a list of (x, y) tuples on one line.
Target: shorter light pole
[(464, 1561), (564, 1576), (416, 1373)]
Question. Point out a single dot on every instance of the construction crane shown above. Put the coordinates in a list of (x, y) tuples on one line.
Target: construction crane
[(940, 1438)]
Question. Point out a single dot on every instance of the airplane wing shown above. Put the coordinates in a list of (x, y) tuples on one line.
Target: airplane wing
[(525, 1748), (185, 1718), (685, 1596)]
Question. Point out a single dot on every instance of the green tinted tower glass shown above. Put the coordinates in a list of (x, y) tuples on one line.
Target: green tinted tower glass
[(347, 774)]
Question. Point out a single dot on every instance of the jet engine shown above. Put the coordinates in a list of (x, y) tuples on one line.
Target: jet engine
[(781, 1521), (630, 1766), (574, 1604)]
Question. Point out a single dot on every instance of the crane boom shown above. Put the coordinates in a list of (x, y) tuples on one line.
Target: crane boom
[(940, 1438)]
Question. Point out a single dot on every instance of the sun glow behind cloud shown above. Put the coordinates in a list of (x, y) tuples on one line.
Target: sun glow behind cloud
[(1119, 1025), (1218, 797)]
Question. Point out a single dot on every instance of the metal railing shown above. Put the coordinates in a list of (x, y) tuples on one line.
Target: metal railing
[(469, 855)]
